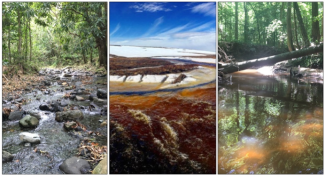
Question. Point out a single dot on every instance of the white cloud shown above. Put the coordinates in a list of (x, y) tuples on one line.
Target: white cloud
[(208, 9), (115, 30), (202, 27), (153, 28), (149, 7), (173, 30)]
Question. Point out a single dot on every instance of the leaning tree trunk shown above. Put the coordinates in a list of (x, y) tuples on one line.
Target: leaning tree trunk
[(267, 61)]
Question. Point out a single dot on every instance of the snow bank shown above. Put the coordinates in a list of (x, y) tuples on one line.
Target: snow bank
[(153, 78), (136, 78), (116, 78), (134, 51)]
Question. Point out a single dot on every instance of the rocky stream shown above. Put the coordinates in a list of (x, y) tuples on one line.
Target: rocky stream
[(56, 126)]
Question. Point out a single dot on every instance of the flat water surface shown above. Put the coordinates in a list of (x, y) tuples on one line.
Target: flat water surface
[(269, 125)]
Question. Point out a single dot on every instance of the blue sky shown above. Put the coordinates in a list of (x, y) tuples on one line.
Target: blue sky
[(173, 24)]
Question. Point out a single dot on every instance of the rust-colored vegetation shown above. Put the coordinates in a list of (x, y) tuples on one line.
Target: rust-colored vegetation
[(143, 66), (177, 127)]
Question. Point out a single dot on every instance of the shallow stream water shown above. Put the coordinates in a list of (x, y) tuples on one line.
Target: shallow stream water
[(269, 125)]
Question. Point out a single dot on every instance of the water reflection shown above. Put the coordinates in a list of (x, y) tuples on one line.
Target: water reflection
[(269, 125)]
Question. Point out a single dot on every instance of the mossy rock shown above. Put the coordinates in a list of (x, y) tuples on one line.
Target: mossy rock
[(102, 167)]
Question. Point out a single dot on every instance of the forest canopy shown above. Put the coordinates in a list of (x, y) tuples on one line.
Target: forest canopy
[(54, 33), (280, 24)]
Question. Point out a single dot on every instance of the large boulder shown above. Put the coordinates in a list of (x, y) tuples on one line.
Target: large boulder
[(28, 121), (101, 93), (75, 165), (16, 115), (68, 115), (29, 137), (102, 167), (6, 157)]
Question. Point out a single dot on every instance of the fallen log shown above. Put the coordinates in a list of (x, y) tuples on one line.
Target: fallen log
[(268, 61)]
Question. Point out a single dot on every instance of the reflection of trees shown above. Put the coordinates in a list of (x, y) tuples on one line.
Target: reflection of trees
[(270, 127)]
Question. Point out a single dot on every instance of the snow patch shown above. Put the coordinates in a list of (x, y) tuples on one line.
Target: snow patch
[(136, 78), (116, 78), (134, 51), (153, 78)]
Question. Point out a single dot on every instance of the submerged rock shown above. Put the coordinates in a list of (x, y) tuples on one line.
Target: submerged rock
[(6, 157), (68, 115), (28, 121), (101, 93), (29, 137), (75, 165), (101, 168), (70, 125), (16, 115)]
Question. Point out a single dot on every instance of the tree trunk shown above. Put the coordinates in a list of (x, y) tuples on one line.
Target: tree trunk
[(258, 26), (289, 32), (315, 23), (236, 21), (301, 25), (30, 43), (246, 23), (296, 31), (19, 34), (268, 61), (26, 42), (9, 44), (91, 55)]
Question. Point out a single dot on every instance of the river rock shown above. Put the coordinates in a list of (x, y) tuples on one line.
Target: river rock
[(29, 137), (102, 166), (68, 115), (70, 125), (16, 115), (67, 75), (101, 93), (28, 121), (79, 98), (6, 157), (46, 83), (75, 165), (44, 107)]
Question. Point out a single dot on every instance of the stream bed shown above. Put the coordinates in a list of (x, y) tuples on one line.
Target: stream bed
[(57, 144), (269, 125)]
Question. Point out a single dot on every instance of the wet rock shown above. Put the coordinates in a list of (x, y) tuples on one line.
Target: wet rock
[(29, 137), (101, 168), (46, 83), (16, 115), (29, 121), (19, 100), (55, 107), (101, 93), (35, 114), (75, 165), (6, 157), (70, 125), (67, 75), (44, 107), (27, 144), (63, 103), (79, 98), (68, 115), (91, 97)]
